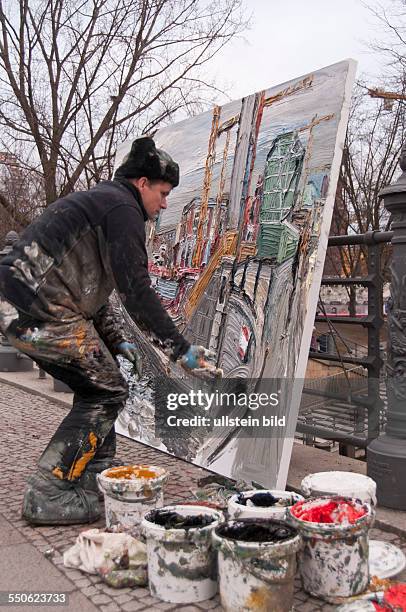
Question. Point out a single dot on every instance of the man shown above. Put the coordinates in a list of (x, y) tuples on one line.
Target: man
[(55, 306)]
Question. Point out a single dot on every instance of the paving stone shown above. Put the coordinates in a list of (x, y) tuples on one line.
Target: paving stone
[(148, 600), (163, 605), (209, 604), (74, 574), (123, 598), (90, 591), (141, 593), (101, 599), (111, 607), (133, 606), (83, 582)]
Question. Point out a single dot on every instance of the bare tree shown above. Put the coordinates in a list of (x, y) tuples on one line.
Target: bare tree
[(77, 76), (375, 136), (374, 141), (21, 194), (370, 161), (391, 44)]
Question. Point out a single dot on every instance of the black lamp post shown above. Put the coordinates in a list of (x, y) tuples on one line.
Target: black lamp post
[(387, 453)]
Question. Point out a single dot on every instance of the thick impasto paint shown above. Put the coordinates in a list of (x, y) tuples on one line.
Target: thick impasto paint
[(237, 257)]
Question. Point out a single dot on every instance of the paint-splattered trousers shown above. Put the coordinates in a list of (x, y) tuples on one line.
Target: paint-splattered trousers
[(73, 351)]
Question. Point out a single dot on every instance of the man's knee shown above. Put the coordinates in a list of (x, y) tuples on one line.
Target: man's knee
[(111, 393), (121, 392)]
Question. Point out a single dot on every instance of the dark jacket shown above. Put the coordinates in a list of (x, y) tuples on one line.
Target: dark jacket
[(68, 261)]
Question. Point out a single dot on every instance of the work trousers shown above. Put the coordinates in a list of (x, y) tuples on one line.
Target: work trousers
[(72, 351)]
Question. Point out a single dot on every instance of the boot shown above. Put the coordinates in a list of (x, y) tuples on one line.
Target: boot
[(88, 480), (51, 501), (55, 495)]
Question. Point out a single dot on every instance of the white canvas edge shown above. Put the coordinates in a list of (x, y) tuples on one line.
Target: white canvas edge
[(314, 290)]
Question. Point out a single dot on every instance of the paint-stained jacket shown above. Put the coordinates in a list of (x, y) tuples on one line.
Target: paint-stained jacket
[(68, 261)]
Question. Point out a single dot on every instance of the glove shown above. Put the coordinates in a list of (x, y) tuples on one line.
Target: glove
[(130, 352), (195, 357)]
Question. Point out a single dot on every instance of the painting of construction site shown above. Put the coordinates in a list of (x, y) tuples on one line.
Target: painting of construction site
[(237, 256)]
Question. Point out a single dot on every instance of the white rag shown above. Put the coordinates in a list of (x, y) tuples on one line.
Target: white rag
[(96, 550)]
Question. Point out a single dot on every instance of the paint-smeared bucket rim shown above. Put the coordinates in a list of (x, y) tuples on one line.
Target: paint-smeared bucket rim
[(313, 485), (333, 528), (152, 529)]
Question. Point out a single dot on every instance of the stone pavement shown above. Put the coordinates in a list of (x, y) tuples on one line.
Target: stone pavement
[(27, 423)]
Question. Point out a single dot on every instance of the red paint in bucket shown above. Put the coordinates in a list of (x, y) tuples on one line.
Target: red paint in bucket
[(394, 599), (329, 511)]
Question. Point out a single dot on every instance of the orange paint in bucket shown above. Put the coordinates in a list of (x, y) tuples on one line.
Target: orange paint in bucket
[(129, 472)]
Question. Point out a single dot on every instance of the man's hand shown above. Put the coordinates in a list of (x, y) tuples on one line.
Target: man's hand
[(130, 352), (196, 358)]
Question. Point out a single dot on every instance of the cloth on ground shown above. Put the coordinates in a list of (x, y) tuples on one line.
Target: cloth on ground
[(96, 550)]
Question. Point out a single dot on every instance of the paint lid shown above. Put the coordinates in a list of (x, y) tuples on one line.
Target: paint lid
[(346, 484), (385, 559)]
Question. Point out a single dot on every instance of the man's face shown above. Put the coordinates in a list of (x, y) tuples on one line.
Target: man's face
[(153, 194)]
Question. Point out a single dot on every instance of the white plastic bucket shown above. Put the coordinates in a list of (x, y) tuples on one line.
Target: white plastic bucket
[(181, 561), (334, 561), (238, 508), (346, 484), (129, 492), (256, 575)]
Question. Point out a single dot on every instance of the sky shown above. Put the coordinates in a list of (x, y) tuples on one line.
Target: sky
[(293, 37)]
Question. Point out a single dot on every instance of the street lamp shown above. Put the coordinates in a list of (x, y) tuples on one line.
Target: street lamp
[(387, 453)]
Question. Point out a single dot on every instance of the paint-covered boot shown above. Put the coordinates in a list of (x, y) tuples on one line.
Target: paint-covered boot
[(51, 501), (88, 480)]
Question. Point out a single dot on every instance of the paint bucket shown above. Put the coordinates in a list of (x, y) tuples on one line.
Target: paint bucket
[(129, 492), (346, 484), (334, 560), (181, 559), (262, 504), (256, 565)]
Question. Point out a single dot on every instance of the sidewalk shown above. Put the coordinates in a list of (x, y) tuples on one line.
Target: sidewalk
[(27, 424)]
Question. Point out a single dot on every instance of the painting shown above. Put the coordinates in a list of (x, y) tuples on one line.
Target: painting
[(238, 254)]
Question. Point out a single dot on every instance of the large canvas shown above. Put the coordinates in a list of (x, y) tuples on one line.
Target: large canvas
[(237, 257)]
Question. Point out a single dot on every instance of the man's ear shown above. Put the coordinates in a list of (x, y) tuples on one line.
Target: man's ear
[(140, 182)]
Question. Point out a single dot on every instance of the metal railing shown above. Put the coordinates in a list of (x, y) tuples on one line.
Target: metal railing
[(353, 413)]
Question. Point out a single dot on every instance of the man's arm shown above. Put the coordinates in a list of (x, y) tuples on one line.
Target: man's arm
[(125, 233)]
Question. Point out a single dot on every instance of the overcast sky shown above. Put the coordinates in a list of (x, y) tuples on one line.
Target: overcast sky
[(289, 38)]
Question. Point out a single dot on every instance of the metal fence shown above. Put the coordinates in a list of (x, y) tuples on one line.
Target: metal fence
[(348, 407)]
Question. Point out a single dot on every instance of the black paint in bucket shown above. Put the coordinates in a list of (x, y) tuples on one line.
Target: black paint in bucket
[(256, 531), (260, 500), (173, 520)]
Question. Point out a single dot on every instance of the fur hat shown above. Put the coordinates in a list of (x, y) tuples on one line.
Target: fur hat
[(144, 159)]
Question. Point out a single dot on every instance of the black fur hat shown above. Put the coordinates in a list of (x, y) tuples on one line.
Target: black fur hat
[(144, 159)]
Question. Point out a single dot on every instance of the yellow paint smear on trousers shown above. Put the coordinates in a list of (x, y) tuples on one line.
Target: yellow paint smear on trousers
[(58, 473), (79, 466)]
